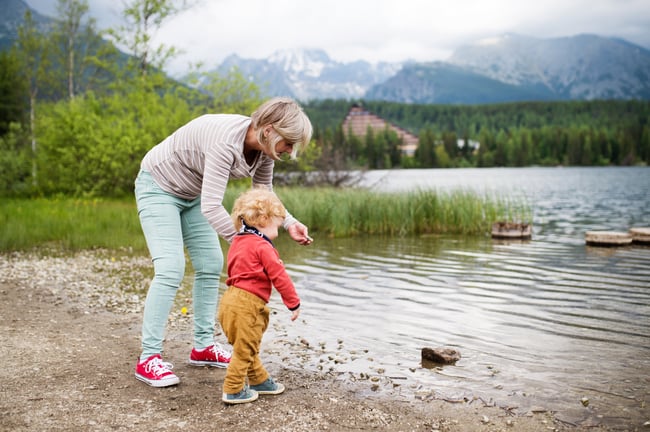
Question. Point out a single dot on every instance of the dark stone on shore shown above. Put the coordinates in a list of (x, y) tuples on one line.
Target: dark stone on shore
[(440, 355)]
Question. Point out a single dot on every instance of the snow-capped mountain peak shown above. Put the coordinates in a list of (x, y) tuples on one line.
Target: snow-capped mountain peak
[(309, 62), (508, 67), (310, 74)]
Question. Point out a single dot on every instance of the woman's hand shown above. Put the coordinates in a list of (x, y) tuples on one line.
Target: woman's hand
[(299, 233), (294, 314)]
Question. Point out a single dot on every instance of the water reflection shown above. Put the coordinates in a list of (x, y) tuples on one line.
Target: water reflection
[(544, 322)]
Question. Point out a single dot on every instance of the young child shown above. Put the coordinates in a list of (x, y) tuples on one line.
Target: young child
[(254, 268)]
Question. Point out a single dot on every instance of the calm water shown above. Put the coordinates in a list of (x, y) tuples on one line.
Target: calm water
[(541, 324)]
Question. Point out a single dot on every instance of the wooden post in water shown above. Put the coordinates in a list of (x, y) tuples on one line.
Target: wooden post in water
[(608, 238), (512, 230), (640, 235)]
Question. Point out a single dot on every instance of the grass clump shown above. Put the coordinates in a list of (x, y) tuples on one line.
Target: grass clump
[(349, 212), (78, 224), (70, 224)]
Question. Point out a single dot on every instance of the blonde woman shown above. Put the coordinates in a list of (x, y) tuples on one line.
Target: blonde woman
[(179, 193), (254, 268)]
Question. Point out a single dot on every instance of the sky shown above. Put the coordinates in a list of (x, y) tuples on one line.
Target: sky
[(371, 30)]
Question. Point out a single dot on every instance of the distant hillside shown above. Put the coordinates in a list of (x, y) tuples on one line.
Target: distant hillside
[(91, 44), (13, 14), (443, 83), (581, 67)]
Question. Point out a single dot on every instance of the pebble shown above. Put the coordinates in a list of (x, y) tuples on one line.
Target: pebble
[(93, 279)]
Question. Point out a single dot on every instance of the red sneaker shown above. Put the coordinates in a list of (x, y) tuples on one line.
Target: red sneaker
[(214, 355), (156, 372)]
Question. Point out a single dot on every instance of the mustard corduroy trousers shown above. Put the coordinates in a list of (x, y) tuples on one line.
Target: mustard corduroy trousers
[(244, 318)]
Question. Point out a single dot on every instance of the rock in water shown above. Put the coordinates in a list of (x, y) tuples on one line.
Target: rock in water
[(440, 355)]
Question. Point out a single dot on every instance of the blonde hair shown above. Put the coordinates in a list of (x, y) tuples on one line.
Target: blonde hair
[(257, 207), (288, 121)]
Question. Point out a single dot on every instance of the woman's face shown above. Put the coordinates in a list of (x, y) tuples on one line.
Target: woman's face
[(282, 147)]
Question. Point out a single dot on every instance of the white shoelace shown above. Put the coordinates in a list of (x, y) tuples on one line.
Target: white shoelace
[(158, 367), (217, 349)]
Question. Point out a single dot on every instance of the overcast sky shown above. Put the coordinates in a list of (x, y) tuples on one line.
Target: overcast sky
[(372, 30)]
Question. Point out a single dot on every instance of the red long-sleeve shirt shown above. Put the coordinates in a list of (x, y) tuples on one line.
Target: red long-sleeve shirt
[(254, 265)]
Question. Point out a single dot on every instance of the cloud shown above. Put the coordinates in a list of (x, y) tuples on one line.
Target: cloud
[(374, 30)]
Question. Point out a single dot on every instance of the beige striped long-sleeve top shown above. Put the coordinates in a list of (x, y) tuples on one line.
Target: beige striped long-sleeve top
[(199, 158)]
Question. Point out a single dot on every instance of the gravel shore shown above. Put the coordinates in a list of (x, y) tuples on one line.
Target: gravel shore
[(71, 325)]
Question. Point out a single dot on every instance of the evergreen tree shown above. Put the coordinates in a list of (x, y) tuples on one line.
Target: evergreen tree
[(450, 143), (425, 153), (13, 91)]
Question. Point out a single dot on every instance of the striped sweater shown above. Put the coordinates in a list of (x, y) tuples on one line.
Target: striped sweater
[(200, 157)]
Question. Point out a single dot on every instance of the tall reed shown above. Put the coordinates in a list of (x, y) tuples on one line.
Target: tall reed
[(76, 224), (348, 212)]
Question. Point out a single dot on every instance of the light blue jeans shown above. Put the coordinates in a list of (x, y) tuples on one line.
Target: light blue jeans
[(169, 223)]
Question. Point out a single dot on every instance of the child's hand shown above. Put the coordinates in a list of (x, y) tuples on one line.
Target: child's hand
[(294, 314)]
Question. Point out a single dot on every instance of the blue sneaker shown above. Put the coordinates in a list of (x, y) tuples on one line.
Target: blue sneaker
[(246, 395), (268, 387)]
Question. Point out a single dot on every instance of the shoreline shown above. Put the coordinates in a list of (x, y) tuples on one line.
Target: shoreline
[(72, 336)]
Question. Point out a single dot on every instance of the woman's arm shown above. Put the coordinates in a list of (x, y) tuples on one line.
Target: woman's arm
[(215, 180), (264, 177)]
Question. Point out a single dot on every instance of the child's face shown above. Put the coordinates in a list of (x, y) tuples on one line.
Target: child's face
[(271, 229)]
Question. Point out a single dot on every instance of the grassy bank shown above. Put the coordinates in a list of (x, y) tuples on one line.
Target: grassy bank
[(69, 224), (73, 224)]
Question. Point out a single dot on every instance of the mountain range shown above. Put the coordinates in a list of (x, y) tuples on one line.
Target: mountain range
[(505, 68), (310, 74)]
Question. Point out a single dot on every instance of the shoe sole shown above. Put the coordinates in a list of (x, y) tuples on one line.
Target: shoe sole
[(238, 401), (158, 384), (277, 391), (207, 363)]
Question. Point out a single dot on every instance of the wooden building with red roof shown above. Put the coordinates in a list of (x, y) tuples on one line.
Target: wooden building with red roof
[(358, 120)]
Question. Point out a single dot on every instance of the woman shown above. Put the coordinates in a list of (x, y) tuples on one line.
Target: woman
[(179, 193)]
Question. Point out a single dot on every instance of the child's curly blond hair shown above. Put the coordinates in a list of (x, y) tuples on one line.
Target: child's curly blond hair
[(257, 207)]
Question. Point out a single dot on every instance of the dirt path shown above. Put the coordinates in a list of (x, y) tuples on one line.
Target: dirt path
[(64, 366)]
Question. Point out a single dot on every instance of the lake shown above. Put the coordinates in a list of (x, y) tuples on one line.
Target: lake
[(542, 324)]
